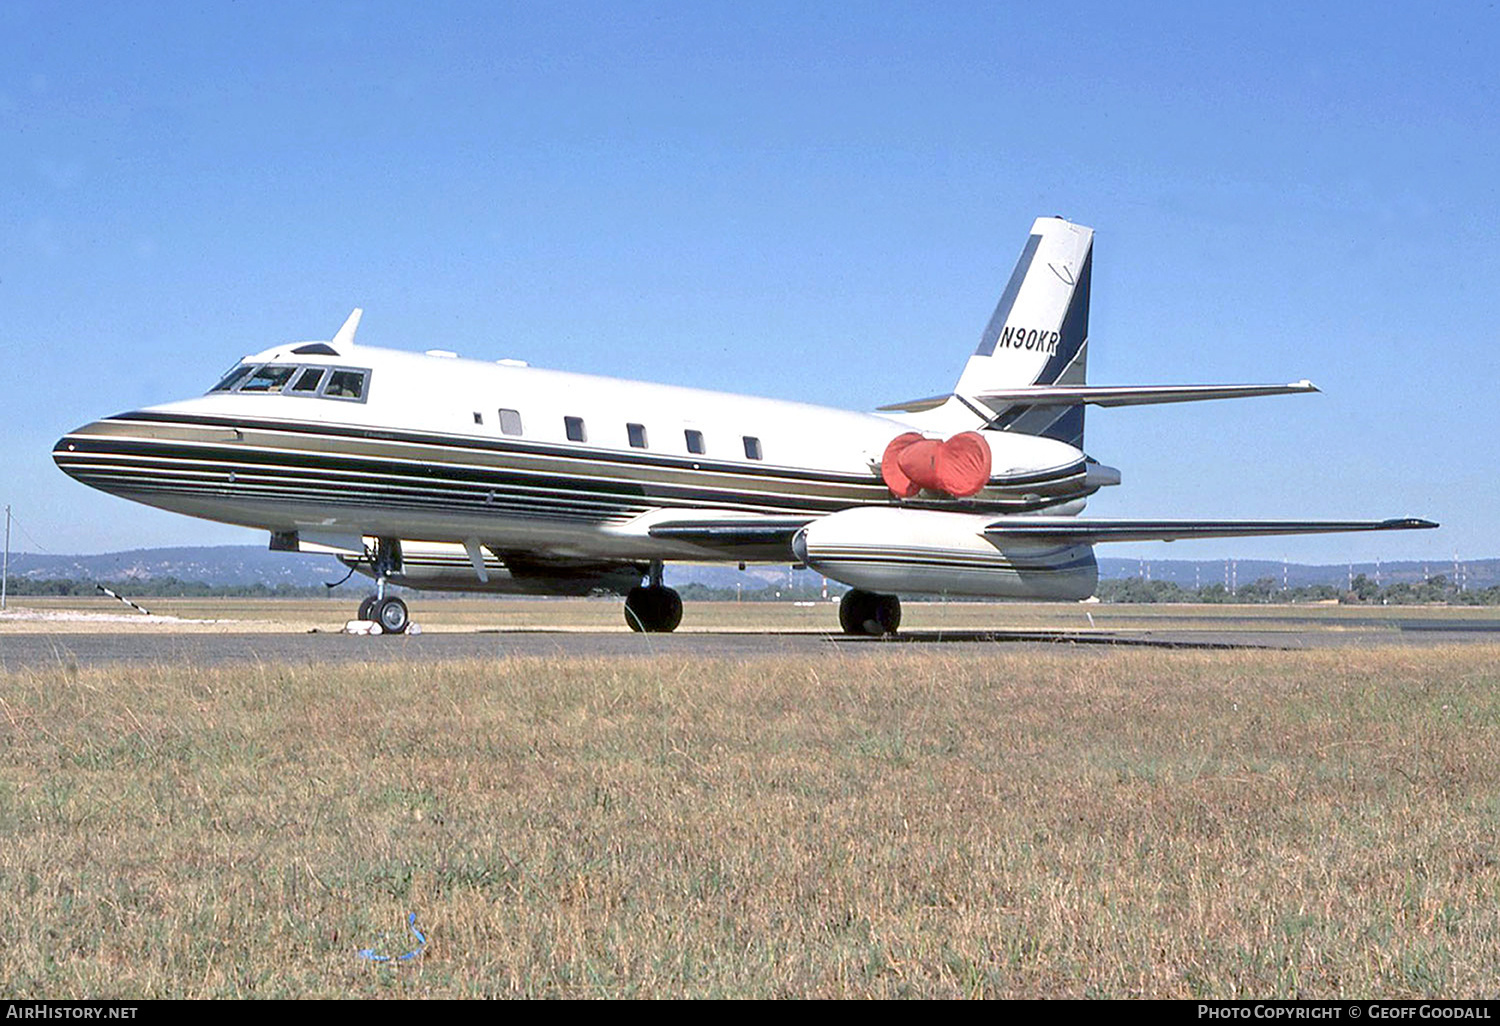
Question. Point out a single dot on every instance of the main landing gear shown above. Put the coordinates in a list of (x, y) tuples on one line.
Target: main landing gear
[(864, 612), (388, 611), (654, 608)]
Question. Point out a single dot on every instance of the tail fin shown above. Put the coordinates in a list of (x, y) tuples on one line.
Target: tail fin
[(1039, 332)]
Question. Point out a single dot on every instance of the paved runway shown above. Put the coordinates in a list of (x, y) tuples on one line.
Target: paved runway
[(22, 651)]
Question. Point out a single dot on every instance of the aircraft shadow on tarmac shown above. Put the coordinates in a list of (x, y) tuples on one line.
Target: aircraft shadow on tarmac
[(1053, 637), (969, 637)]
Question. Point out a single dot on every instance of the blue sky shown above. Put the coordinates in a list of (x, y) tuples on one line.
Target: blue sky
[(811, 201)]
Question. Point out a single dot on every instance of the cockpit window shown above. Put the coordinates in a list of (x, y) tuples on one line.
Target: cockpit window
[(233, 378), (308, 380), (345, 384), (298, 380), (269, 378)]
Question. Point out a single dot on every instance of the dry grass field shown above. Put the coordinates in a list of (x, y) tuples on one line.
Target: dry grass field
[(1078, 822)]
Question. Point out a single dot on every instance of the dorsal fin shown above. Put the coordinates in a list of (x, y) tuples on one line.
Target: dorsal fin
[(345, 337)]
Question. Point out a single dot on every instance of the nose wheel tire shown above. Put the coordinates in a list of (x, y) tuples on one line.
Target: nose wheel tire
[(654, 610), (864, 612), (392, 616), (367, 608)]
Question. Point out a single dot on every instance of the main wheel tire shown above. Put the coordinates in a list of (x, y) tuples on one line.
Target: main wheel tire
[(655, 610), (887, 615), (865, 613), (854, 611), (670, 611), (367, 608), (392, 616)]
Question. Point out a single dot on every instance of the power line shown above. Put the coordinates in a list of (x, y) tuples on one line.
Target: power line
[(22, 528), (11, 520)]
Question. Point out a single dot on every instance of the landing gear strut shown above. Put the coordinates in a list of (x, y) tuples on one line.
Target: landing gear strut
[(389, 612), (655, 608), (864, 612)]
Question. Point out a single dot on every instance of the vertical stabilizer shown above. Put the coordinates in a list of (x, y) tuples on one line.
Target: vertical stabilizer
[(1039, 332)]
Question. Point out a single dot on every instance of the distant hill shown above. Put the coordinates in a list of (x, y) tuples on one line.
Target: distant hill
[(231, 565), (248, 565), (1475, 573)]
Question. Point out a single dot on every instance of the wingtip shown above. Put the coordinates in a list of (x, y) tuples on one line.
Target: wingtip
[(1411, 524)]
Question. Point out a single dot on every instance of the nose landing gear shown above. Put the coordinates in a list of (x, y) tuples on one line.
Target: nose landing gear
[(390, 612), (392, 616)]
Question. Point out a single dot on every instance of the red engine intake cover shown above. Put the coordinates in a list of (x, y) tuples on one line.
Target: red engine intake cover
[(958, 467)]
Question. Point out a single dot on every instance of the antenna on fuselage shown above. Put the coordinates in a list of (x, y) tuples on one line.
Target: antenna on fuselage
[(345, 337)]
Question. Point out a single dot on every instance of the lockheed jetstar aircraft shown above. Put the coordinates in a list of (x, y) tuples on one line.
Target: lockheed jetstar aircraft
[(430, 471)]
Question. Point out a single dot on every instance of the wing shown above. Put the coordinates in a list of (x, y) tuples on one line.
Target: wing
[(1090, 531)]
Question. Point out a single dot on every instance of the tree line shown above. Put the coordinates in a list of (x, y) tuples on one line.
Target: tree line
[(1435, 590)]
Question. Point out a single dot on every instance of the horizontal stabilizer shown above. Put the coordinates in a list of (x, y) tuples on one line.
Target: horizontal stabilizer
[(1105, 395), (930, 402), (1074, 529), (1131, 395)]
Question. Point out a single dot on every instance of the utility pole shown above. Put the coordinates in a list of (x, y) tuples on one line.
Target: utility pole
[(5, 573)]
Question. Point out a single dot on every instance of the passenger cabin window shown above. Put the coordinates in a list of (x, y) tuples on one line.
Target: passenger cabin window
[(269, 378), (575, 430), (752, 448), (478, 417), (345, 384), (510, 422), (308, 380), (637, 433), (694, 441)]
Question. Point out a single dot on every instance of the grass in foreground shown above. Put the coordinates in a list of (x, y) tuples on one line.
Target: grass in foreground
[(1010, 824)]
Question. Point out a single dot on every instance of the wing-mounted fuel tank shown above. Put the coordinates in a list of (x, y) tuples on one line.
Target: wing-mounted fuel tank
[(435, 566), (891, 550)]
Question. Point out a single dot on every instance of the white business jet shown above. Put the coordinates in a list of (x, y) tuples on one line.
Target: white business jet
[(430, 471)]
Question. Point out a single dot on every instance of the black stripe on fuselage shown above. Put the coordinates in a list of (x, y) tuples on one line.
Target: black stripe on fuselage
[(832, 566), (135, 465), (512, 446), (507, 445), (945, 560), (138, 481), (221, 457)]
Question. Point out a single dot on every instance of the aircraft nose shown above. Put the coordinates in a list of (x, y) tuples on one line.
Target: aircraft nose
[(85, 453), (64, 453)]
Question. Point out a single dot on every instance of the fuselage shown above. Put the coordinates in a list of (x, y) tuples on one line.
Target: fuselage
[(357, 440)]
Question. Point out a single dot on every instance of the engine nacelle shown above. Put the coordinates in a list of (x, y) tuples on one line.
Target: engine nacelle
[(889, 550)]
